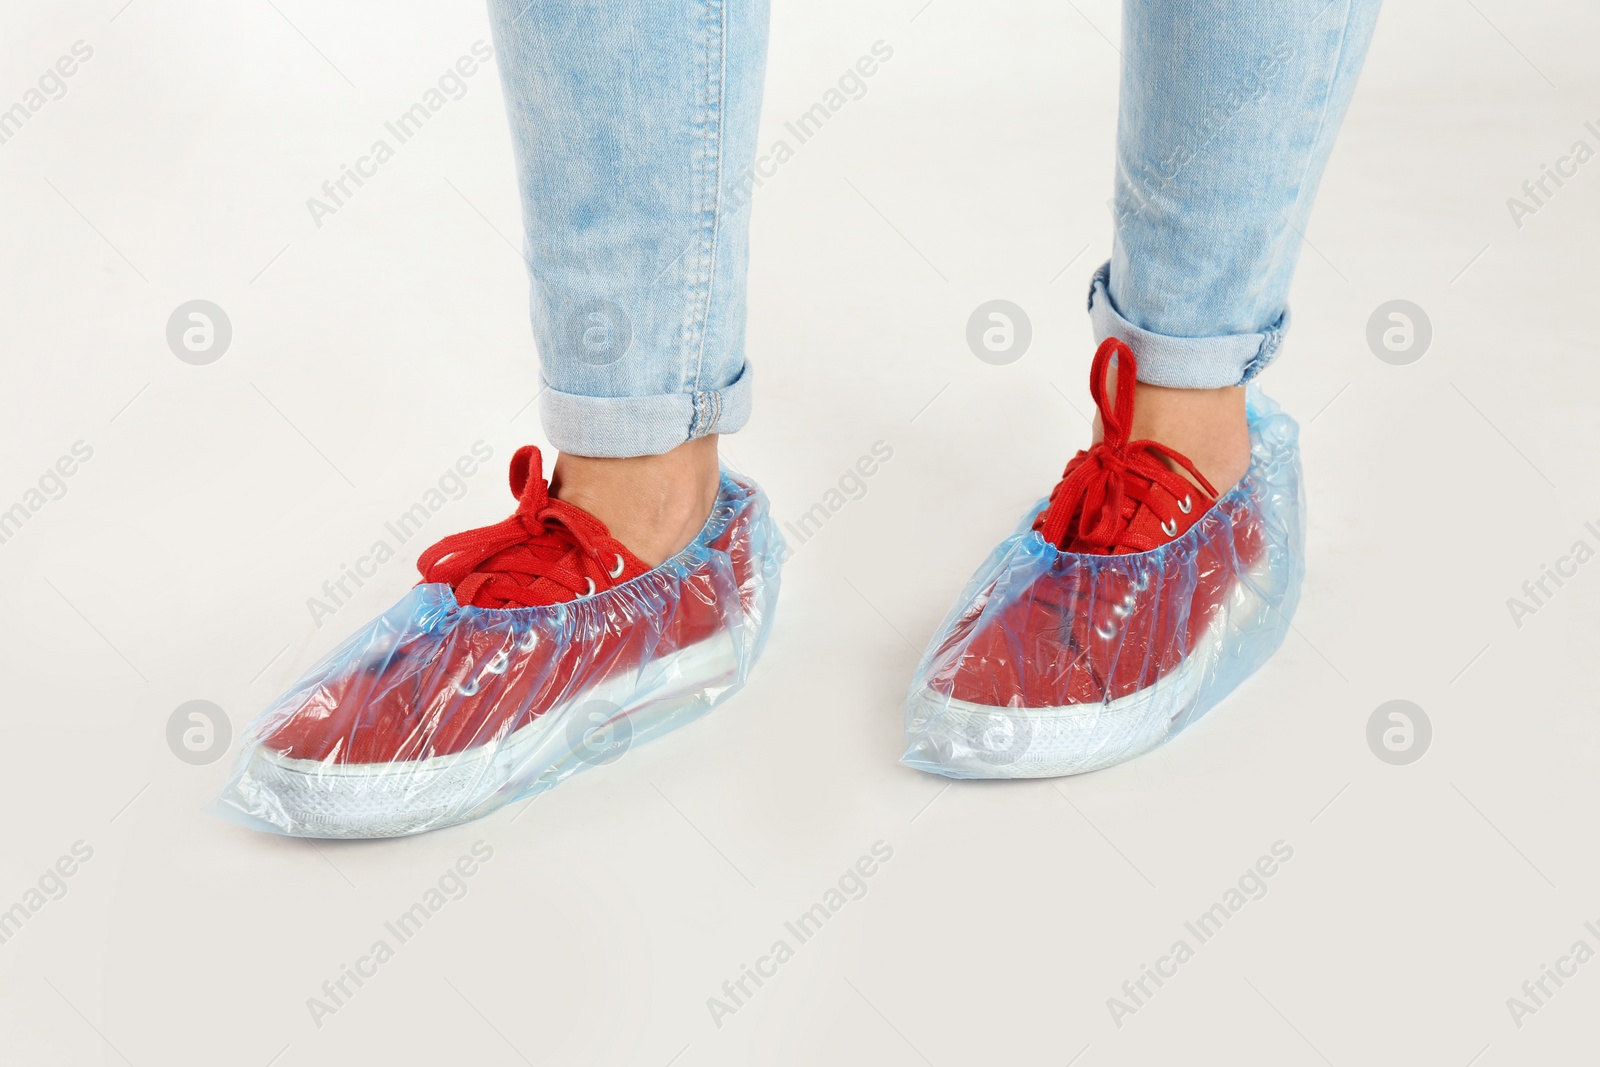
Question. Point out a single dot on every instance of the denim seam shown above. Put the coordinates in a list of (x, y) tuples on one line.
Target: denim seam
[(716, 195), (1271, 341), (1327, 88), (707, 412), (698, 313), (1102, 275), (694, 251)]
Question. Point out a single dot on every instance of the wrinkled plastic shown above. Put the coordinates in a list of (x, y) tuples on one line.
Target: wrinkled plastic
[(1207, 610), (495, 705)]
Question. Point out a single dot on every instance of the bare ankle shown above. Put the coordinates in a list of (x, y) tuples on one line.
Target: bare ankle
[(653, 504), (1209, 426)]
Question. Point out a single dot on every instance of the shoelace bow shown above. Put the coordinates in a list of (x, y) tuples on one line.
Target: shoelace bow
[(1092, 507), (547, 552)]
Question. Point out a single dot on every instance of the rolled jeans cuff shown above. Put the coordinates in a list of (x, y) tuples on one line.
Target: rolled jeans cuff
[(1184, 362), (610, 427)]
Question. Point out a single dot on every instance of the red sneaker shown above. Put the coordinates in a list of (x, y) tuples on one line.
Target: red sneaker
[(530, 649), (1112, 620)]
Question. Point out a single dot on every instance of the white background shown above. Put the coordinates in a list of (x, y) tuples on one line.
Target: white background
[(370, 353)]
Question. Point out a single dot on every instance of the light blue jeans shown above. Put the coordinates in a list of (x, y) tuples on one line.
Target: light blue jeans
[(634, 124)]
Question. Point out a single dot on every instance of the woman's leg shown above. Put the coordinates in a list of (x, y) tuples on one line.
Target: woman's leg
[(632, 121), (1229, 110), (1144, 590)]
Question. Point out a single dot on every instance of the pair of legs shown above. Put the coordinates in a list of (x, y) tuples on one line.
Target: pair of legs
[(635, 127), (1130, 604)]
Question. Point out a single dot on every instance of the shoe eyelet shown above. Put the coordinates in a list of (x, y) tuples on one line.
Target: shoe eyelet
[(528, 642), (470, 689), (617, 571), (498, 664), (590, 590), (1106, 632), (1187, 505), (1170, 527)]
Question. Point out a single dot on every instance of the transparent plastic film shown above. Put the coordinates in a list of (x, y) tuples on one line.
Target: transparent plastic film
[(1056, 663), (435, 713)]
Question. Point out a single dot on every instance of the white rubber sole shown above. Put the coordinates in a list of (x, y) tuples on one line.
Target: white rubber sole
[(968, 740), (312, 798)]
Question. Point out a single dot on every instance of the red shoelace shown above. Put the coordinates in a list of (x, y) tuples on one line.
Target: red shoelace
[(548, 552), (1093, 507)]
